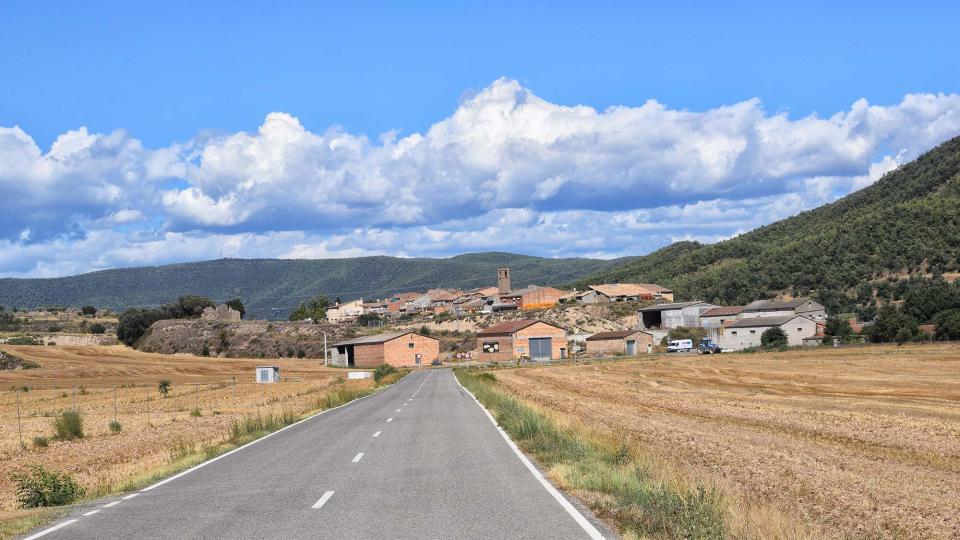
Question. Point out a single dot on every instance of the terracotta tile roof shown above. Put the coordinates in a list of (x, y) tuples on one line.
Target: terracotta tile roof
[(510, 327), (618, 334), (377, 338), (721, 311), (628, 289)]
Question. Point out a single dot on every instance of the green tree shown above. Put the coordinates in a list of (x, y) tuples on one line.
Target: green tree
[(89, 311), (948, 325), (164, 387), (773, 337), (97, 328), (315, 308), (838, 328), (237, 305)]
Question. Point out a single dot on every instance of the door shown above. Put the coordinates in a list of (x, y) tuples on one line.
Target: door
[(540, 349), (631, 347)]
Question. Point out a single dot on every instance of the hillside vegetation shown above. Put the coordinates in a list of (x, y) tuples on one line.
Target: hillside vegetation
[(271, 288), (849, 254)]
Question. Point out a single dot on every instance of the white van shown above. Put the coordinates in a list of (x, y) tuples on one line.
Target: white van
[(680, 345)]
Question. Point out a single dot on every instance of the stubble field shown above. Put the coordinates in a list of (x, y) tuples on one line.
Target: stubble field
[(107, 383), (861, 442)]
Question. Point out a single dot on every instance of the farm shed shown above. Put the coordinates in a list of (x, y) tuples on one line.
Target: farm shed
[(781, 308), (524, 338), (623, 342), (533, 297), (668, 316), (268, 374), (621, 292), (744, 333), (397, 349), (716, 317)]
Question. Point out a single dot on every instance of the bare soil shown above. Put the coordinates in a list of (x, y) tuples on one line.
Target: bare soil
[(861, 442)]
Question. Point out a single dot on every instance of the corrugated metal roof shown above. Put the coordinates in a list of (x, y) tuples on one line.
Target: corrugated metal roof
[(722, 310), (377, 338), (617, 334), (755, 322), (675, 305), (776, 303), (628, 289), (511, 327)]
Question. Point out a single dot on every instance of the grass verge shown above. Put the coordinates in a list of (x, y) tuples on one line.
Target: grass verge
[(242, 431), (618, 484)]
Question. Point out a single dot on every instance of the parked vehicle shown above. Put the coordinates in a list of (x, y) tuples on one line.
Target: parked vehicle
[(680, 345), (709, 346)]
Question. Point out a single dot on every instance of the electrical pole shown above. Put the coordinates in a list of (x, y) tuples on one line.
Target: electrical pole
[(325, 349)]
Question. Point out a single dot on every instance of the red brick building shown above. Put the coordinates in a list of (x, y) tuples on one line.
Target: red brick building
[(534, 297), (397, 349), (525, 338), (621, 342)]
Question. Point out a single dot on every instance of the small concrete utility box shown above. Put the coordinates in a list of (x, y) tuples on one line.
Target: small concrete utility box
[(359, 375), (268, 374)]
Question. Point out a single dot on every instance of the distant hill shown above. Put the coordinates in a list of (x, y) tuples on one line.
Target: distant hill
[(270, 288), (846, 253)]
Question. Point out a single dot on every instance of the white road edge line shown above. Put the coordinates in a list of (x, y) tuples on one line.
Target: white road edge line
[(51, 529), (90, 513), (130, 496), (584, 523), (377, 434), (249, 444), (357, 457), (114, 503), (323, 500)]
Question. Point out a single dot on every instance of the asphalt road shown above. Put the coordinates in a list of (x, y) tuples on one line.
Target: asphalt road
[(420, 459)]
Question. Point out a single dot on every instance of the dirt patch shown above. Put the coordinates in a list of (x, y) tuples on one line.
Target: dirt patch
[(856, 442)]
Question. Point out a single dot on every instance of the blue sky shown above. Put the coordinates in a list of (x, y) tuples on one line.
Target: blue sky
[(258, 128)]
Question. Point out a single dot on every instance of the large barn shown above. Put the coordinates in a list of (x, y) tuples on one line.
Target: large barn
[(397, 349), (522, 339)]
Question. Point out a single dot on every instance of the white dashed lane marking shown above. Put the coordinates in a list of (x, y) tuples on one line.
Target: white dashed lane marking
[(377, 434), (322, 501), (357, 457), (90, 513), (390, 419)]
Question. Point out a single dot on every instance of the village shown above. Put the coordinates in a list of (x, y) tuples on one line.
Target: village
[(528, 337)]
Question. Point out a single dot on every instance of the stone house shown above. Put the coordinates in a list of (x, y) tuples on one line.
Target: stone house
[(522, 339), (620, 342)]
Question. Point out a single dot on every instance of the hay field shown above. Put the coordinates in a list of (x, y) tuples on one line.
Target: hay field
[(861, 442), (156, 431)]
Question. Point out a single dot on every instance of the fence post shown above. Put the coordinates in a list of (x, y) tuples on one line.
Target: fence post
[(19, 426), (114, 403), (196, 396), (74, 398)]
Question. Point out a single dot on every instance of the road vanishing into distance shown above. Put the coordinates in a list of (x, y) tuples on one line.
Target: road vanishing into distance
[(419, 459)]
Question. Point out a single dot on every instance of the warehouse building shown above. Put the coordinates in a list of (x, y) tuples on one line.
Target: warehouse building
[(620, 342), (397, 349), (522, 339), (745, 333)]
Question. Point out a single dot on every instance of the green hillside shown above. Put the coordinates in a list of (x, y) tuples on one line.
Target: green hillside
[(847, 254), (270, 288)]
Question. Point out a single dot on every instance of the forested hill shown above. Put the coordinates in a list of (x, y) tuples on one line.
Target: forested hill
[(843, 253), (271, 287)]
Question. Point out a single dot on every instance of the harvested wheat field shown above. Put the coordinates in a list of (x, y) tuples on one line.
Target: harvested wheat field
[(107, 383), (861, 442)]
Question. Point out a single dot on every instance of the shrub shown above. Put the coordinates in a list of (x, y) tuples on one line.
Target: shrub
[(88, 310), (773, 337), (382, 371), (54, 328), (23, 340), (41, 442), (68, 426), (115, 427), (301, 353), (97, 328), (487, 377), (195, 412), (205, 351), (39, 487), (164, 387)]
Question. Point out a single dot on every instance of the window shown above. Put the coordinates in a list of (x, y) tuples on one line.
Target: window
[(753, 331), (410, 345), (799, 329), (733, 333)]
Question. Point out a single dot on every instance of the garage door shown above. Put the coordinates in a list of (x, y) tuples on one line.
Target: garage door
[(540, 348)]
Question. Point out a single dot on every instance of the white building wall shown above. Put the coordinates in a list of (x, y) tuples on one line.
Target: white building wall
[(742, 338)]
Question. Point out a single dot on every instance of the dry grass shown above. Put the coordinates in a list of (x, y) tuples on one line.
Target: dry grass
[(861, 443), (158, 434)]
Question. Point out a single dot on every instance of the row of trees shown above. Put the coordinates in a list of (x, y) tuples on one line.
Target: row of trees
[(314, 309)]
